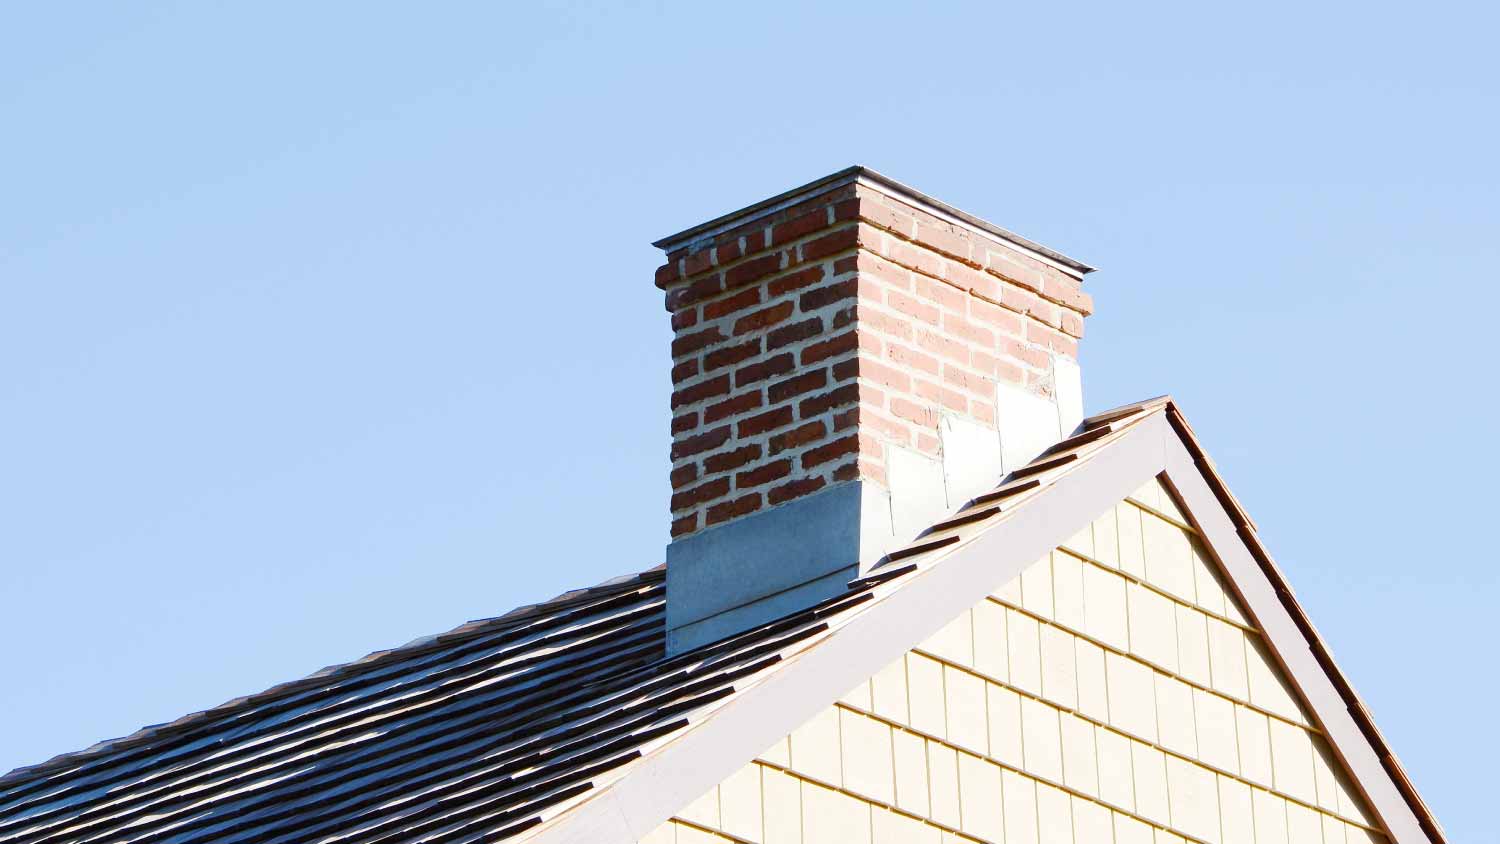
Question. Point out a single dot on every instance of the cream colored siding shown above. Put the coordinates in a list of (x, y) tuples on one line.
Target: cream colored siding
[(1113, 693)]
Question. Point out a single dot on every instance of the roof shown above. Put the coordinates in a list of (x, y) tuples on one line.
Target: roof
[(879, 181), (518, 726)]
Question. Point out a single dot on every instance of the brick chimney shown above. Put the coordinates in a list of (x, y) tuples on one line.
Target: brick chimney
[(851, 360)]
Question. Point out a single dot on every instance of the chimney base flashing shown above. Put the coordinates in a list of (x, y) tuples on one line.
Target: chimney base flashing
[(760, 567), (769, 608)]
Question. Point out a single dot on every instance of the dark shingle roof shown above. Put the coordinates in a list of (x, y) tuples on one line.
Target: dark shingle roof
[(476, 733)]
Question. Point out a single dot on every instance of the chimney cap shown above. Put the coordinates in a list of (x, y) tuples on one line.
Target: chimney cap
[(866, 176)]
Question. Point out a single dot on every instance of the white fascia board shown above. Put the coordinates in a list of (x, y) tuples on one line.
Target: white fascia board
[(671, 778), (1290, 646)]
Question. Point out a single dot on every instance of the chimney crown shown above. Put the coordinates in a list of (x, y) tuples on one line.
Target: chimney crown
[(851, 360)]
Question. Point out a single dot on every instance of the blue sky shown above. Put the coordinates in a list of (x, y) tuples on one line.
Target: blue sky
[(324, 327)]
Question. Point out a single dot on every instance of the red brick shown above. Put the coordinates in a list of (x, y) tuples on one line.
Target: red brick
[(928, 444), (727, 510), (964, 379), (1009, 372), (760, 370), (1009, 269), (885, 375), (821, 297), (983, 411), (823, 402), (1032, 305), (730, 407), (832, 347), (794, 333), (685, 422), (685, 525), (700, 391), (944, 294), (686, 369), (728, 460), (799, 436), (684, 344), (887, 428), (986, 286), (941, 344), (905, 356), (914, 412), (886, 217), (845, 369), (1066, 293), (966, 330), (799, 226), (1054, 340), (945, 396), (914, 307), (917, 258), (763, 318), (967, 278), (763, 422), (700, 443), (731, 355), (751, 271), (716, 488), (728, 250), (686, 318), (666, 274), (747, 298), (795, 489), (830, 244), (1072, 324), (684, 475), (830, 451), (1029, 355), (796, 385), (992, 313), (861, 468), (878, 269), (697, 262), (763, 474), (944, 239), (885, 323), (795, 281), (704, 288)]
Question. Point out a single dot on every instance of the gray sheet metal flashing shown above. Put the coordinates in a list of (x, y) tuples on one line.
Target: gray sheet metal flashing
[(768, 608), (746, 725), (749, 571), (865, 176)]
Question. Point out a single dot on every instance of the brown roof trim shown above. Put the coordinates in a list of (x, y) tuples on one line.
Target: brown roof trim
[(1356, 707)]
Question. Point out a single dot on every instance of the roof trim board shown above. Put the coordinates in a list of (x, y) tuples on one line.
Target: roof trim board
[(955, 577), (1272, 605)]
